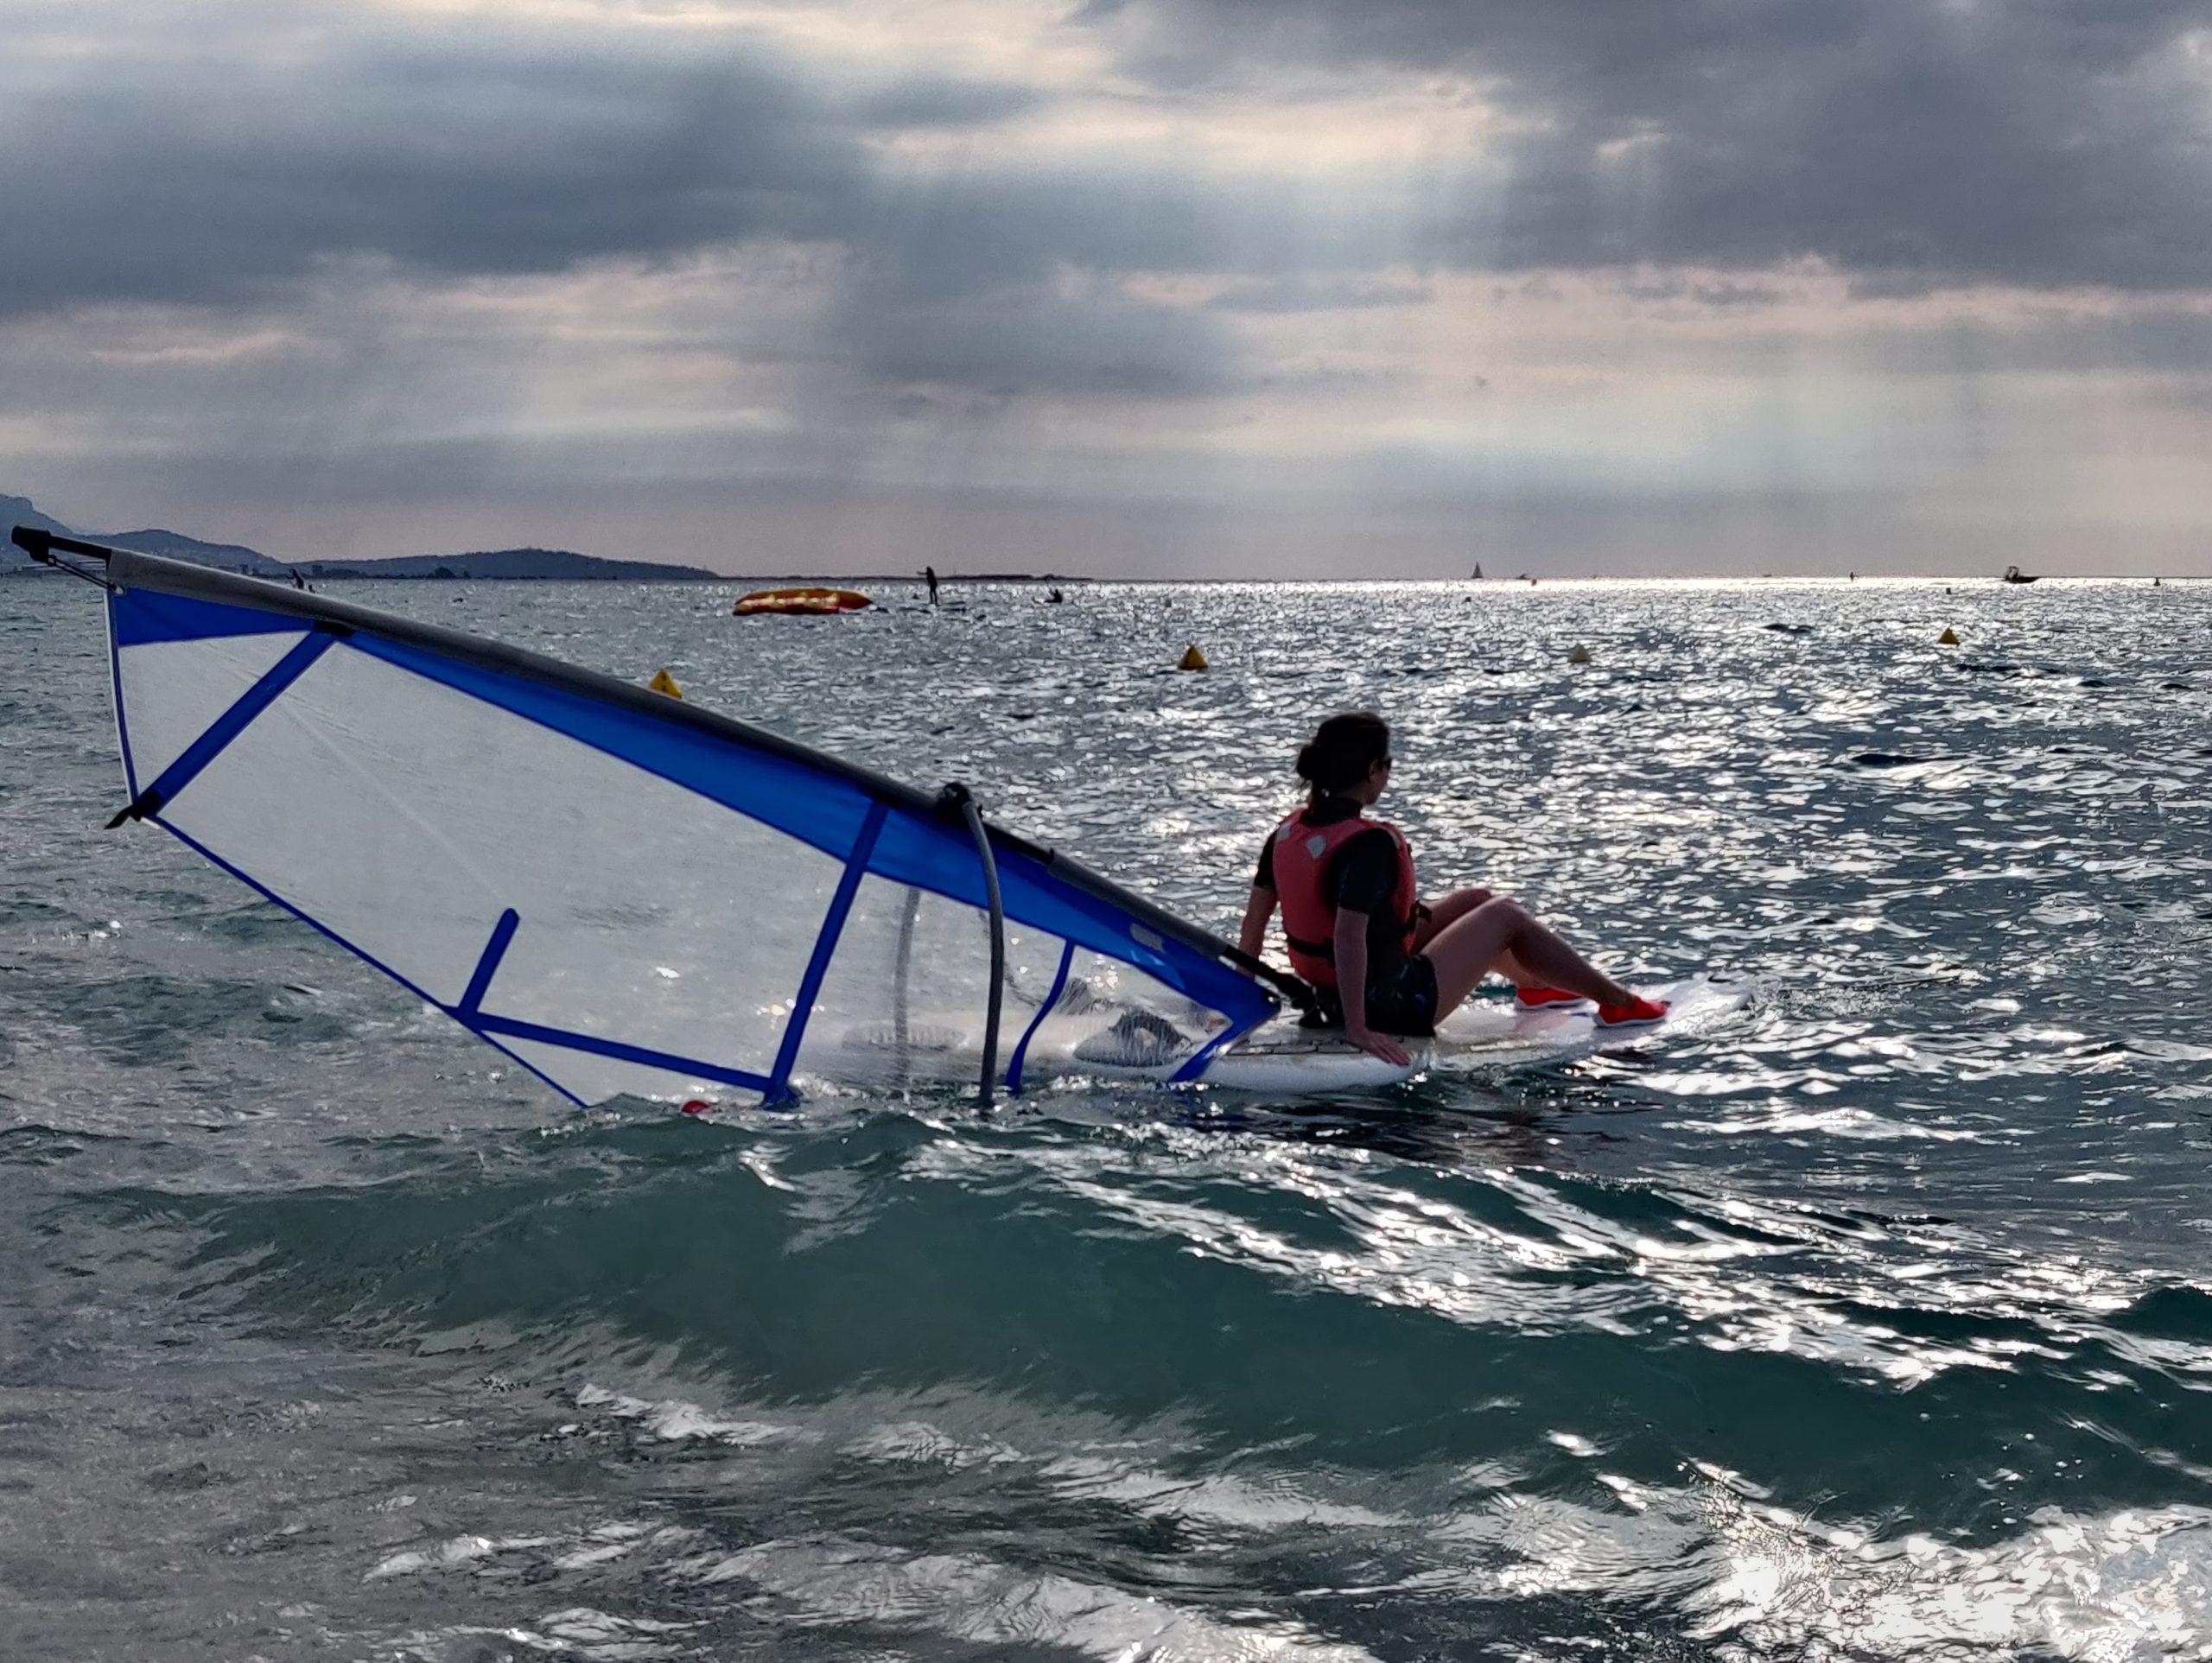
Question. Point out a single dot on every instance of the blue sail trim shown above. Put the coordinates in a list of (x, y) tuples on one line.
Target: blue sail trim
[(232, 722), (360, 953), (480, 981), (825, 943), (115, 677), (568, 1039), (142, 617), (822, 809), (1229, 1036), (1021, 1045)]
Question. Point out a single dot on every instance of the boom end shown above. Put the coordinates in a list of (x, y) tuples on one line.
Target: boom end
[(45, 547)]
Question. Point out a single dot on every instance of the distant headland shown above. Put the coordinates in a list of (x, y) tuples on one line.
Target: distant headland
[(496, 564)]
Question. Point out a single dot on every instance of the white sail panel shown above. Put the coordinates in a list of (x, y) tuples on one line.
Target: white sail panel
[(407, 817), (910, 980), (906, 996), (173, 690)]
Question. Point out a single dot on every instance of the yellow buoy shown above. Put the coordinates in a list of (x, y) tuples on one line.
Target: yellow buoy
[(1579, 655), (665, 683), (1949, 637), (1192, 658)]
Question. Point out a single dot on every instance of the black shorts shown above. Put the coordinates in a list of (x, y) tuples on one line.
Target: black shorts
[(1403, 1002)]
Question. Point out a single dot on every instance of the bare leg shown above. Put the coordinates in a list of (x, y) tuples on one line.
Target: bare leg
[(1465, 951), (1458, 905), (1443, 914), (1517, 972)]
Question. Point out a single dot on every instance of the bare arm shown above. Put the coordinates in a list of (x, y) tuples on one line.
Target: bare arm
[(1258, 911), (1351, 988)]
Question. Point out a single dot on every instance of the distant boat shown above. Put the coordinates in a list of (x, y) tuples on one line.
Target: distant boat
[(2014, 575), (1478, 571)]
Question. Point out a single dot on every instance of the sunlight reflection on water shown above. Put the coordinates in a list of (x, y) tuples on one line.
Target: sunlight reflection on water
[(1870, 1323)]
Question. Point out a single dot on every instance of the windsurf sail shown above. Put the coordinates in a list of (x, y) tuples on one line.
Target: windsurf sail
[(626, 893)]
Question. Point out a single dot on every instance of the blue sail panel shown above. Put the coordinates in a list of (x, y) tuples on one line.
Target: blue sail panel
[(137, 616)]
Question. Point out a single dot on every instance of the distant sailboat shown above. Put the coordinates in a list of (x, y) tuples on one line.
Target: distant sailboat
[(1478, 571)]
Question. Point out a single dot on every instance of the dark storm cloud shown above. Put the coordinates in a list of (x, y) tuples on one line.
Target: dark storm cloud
[(2043, 142), (1036, 341), (482, 158), (1910, 143), (506, 152)]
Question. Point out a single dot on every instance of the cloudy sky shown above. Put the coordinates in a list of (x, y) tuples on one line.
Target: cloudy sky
[(1143, 287)]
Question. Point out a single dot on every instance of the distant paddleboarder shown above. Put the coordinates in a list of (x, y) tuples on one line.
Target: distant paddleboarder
[(1385, 964), (929, 574)]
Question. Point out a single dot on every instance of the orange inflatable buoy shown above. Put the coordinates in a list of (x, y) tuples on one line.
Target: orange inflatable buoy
[(812, 601)]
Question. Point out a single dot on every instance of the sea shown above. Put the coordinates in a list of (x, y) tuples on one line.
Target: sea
[(1874, 1322)]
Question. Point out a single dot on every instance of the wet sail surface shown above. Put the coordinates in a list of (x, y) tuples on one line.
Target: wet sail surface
[(628, 899)]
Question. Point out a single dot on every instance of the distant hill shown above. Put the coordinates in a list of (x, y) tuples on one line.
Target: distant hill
[(542, 563), (174, 545), (507, 564), (19, 511)]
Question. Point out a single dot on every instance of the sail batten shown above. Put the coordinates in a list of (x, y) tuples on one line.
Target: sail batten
[(593, 1045), (227, 726), (479, 979), (833, 926), (624, 893)]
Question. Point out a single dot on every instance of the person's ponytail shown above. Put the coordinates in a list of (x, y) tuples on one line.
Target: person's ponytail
[(1342, 751)]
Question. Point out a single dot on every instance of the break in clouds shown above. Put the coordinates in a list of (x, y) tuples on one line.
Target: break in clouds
[(1154, 251), (1909, 145)]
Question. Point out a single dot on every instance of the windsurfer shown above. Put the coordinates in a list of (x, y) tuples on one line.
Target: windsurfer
[(1384, 964)]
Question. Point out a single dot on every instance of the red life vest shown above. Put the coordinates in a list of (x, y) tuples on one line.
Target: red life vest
[(1302, 853)]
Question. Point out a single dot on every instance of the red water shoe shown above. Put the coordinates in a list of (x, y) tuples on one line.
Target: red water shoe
[(1537, 999), (1637, 1013)]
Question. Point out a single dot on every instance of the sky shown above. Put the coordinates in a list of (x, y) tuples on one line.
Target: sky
[(1129, 288)]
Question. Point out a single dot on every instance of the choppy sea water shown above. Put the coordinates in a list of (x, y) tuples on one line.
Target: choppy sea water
[(1873, 1324)]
